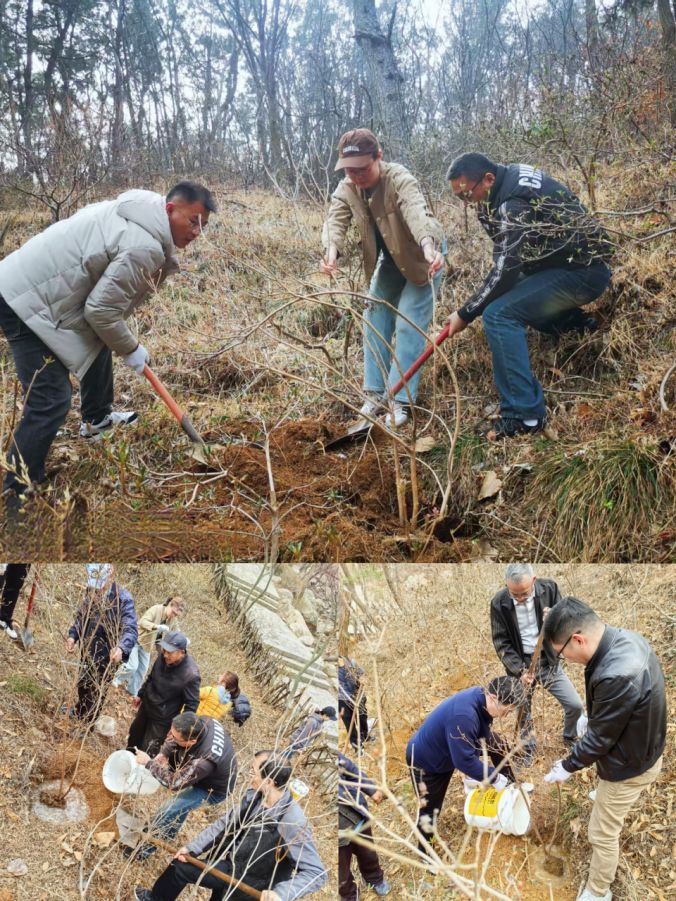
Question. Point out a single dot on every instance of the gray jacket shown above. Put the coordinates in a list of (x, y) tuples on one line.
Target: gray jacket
[(309, 872), (75, 283)]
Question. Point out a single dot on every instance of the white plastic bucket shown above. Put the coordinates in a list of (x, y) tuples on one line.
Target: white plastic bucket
[(129, 827), (123, 775), (498, 811), (105, 725)]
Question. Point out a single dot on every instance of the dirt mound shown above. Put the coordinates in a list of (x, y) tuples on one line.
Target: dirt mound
[(328, 506), (81, 769)]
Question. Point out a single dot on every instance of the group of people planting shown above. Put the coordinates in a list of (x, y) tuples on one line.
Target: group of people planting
[(66, 294), (180, 734), (621, 728)]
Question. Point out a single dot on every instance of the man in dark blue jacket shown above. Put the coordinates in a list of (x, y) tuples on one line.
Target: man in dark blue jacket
[(353, 817), (549, 260), (106, 629), (626, 728), (352, 701), (450, 739)]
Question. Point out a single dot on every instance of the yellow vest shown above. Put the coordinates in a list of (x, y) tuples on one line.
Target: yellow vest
[(210, 705)]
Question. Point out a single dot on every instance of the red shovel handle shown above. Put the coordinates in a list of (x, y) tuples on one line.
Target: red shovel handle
[(425, 355), (31, 599)]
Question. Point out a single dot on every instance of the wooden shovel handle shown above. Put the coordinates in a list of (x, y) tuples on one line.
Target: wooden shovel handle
[(243, 887)]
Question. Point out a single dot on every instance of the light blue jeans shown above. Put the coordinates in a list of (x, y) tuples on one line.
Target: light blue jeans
[(134, 670), (382, 325), (172, 814)]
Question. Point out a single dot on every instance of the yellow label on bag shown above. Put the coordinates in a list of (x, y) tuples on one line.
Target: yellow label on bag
[(484, 803)]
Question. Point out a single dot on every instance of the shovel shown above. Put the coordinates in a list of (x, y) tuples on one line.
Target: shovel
[(26, 635), (199, 447), (361, 429), (131, 835)]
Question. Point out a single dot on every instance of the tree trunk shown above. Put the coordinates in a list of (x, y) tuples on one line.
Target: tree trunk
[(117, 127), (592, 24), (668, 23), (384, 80), (26, 117)]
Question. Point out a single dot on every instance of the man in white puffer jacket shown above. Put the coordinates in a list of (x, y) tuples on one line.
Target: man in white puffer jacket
[(65, 296)]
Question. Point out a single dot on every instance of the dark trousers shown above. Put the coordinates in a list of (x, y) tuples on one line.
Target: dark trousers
[(47, 397), (357, 724), (146, 734), (92, 687), (11, 584), (430, 789), (174, 879), (367, 861)]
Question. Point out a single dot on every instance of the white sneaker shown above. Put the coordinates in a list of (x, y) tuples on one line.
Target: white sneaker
[(589, 896), (372, 405), (398, 417), (94, 431), (9, 631)]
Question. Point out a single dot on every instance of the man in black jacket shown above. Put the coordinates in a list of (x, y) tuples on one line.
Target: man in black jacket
[(549, 260), (173, 685), (197, 761), (626, 731), (517, 614)]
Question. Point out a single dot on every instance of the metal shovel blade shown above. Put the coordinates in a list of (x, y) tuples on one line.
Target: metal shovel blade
[(27, 639), (357, 432)]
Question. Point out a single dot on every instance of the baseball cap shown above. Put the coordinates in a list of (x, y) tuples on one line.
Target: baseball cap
[(330, 712), (98, 574), (174, 641), (356, 148)]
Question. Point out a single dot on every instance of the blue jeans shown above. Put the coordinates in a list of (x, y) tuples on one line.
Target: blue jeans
[(537, 301), (48, 401), (172, 814), (134, 670), (382, 323)]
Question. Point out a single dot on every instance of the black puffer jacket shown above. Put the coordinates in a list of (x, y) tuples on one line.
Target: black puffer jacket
[(505, 627), (170, 689), (535, 223), (627, 709)]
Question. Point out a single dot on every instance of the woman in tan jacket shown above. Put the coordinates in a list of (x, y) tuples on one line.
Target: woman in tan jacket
[(403, 247), (159, 618)]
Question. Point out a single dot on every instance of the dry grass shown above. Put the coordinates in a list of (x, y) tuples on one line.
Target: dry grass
[(36, 746), (440, 643), (254, 343)]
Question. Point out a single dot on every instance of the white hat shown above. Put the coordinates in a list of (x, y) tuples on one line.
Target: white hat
[(98, 574)]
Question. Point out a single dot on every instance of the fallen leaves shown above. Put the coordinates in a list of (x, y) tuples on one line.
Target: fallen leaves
[(103, 839), (424, 444), (17, 867), (490, 486)]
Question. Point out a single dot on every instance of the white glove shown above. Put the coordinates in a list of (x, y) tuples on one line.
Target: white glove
[(137, 359), (500, 782), (581, 725), (470, 785), (558, 773), (163, 627)]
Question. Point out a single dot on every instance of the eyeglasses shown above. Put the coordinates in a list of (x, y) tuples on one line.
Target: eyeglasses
[(466, 194), (559, 655)]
